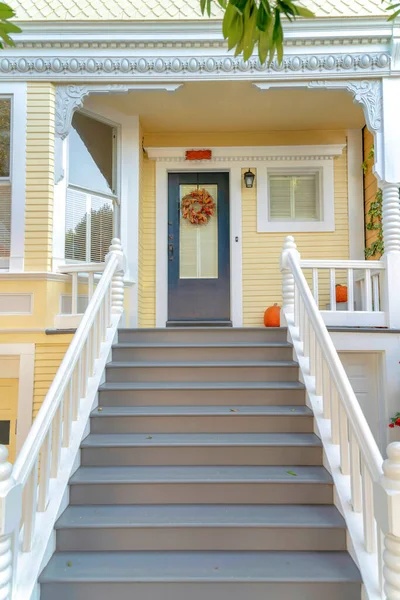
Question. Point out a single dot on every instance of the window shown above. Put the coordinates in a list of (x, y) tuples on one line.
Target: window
[(5, 182), (294, 197), (91, 195)]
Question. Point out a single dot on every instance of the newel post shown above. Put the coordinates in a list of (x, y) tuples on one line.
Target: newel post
[(10, 515), (289, 246), (387, 514), (117, 286)]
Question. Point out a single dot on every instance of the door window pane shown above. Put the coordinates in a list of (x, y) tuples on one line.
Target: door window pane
[(198, 244), (91, 145)]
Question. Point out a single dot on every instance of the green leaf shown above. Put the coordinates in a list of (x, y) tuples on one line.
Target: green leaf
[(277, 36), (262, 18), (304, 12), (291, 473), (203, 6), (6, 12), (240, 5)]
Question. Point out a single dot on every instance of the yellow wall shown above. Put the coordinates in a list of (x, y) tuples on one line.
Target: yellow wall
[(39, 176), (261, 251), (147, 245), (262, 280), (370, 189)]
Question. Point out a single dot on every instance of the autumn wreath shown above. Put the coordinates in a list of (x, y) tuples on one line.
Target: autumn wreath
[(198, 207)]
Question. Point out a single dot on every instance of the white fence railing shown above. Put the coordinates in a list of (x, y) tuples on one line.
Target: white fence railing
[(33, 491), (368, 489), (363, 280)]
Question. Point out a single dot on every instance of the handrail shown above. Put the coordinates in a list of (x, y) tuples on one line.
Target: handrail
[(368, 488), (37, 483), (93, 267), (342, 264), (353, 409)]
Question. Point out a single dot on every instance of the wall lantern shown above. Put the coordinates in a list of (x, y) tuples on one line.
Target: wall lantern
[(249, 179)]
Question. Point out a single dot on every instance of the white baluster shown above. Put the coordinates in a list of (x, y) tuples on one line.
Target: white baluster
[(344, 440), (350, 290), (368, 290), (375, 292), (335, 414), (10, 514), (287, 277), (355, 473), (45, 466), (74, 300), (326, 390), (315, 285), (332, 288)]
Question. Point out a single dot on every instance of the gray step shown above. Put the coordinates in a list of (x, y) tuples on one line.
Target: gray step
[(218, 351), (201, 449), (202, 371), (207, 394), (200, 576), (201, 485), (199, 419), (201, 527), (198, 335)]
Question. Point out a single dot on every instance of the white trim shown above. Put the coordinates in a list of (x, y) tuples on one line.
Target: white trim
[(235, 200), (252, 153), (18, 93), (326, 197), (355, 193), (26, 353)]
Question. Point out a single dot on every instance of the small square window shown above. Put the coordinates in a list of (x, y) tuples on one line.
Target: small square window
[(294, 197)]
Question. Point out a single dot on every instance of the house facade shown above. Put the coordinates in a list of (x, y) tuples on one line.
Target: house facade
[(132, 121)]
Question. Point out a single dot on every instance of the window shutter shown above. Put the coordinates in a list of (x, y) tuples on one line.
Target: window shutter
[(76, 225), (305, 196), (101, 228), (5, 224), (280, 199)]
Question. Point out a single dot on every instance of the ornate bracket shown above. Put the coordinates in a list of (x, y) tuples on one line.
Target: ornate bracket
[(70, 97)]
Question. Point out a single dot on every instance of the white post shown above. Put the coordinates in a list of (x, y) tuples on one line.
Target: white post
[(117, 294), (288, 292), (387, 514), (10, 516), (391, 257)]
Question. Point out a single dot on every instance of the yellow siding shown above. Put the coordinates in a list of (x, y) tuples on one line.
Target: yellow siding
[(39, 176), (48, 357), (370, 189), (261, 251), (147, 245)]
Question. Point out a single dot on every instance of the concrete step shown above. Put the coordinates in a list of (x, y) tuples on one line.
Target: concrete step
[(199, 335), (199, 419), (226, 393), (202, 371), (201, 527), (258, 351), (200, 576), (201, 485), (201, 449)]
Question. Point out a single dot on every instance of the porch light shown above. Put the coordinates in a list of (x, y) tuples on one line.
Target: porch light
[(249, 179)]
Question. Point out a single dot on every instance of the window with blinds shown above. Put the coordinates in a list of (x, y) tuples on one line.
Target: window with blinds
[(5, 182), (294, 197), (91, 192)]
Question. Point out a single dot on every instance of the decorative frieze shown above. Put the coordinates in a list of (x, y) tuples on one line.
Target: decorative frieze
[(125, 68)]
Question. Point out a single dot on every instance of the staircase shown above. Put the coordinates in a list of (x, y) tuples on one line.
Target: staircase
[(201, 479)]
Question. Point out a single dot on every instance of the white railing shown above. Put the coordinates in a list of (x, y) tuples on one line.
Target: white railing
[(368, 489), (363, 279), (33, 491)]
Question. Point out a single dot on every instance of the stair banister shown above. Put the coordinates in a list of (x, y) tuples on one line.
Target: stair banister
[(33, 489), (373, 487)]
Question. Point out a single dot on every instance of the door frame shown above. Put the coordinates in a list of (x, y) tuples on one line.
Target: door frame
[(26, 355), (164, 167)]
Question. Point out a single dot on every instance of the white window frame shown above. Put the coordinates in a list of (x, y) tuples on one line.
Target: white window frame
[(18, 94), (318, 159)]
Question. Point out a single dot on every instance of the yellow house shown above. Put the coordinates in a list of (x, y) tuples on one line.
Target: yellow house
[(130, 125)]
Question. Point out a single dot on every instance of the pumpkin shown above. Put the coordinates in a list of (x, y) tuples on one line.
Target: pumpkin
[(272, 316), (341, 293)]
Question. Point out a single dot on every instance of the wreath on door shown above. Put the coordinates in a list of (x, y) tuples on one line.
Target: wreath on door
[(198, 207)]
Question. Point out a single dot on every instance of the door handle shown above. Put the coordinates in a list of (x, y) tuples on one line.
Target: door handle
[(171, 251)]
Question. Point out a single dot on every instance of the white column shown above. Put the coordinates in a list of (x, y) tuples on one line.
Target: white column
[(10, 515), (117, 287)]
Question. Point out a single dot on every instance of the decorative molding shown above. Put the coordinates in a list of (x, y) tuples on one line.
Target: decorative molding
[(70, 97), (16, 304), (250, 153), (78, 68), (366, 93)]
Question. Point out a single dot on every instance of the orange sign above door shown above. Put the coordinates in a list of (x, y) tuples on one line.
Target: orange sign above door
[(198, 154)]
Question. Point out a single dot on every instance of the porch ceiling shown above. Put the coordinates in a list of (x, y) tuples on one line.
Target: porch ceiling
[(235, 106)]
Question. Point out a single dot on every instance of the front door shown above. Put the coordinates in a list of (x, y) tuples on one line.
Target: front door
[(198, 249)]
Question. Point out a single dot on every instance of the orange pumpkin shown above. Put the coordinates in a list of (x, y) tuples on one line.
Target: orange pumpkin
[(272, 316), (341, 293)]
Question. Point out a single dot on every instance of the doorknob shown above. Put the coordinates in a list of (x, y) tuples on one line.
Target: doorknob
[(171, 251)]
